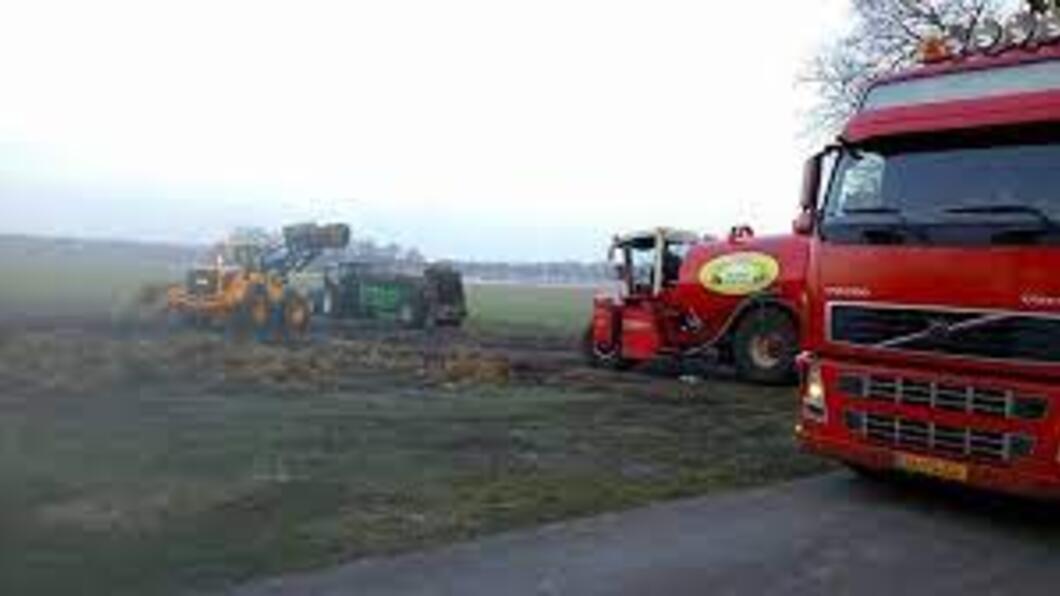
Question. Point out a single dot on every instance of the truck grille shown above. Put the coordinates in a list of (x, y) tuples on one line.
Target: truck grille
[(976, 334), (954, 397), (951, 441)]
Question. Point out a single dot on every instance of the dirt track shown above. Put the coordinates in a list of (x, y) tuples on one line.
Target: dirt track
[(443, 355)]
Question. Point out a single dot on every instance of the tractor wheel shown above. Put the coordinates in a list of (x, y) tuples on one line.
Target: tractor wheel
[(406, 315), (603, 355), (327, 302), (764, 345), (296, 314)]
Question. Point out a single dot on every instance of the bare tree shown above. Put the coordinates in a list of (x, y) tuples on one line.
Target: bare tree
[(885, 37)]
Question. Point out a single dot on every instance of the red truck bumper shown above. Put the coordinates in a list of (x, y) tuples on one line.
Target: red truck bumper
[(1014, 481)]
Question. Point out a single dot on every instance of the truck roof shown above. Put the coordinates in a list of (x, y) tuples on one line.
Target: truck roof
[(1018, 86)]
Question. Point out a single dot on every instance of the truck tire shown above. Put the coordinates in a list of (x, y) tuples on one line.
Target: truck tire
[(603, 356), (764, 347)]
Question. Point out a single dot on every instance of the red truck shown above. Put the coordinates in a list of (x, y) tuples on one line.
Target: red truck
[(684, 296), (932, 330)]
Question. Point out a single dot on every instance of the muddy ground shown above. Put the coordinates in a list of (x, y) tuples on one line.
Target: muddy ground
[(138, 459)]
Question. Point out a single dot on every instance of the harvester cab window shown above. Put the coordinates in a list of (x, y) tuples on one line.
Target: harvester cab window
[(642, 268), (673, 256)]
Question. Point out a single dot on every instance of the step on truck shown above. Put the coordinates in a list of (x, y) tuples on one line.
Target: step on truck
[(932, 337), (686, 297)]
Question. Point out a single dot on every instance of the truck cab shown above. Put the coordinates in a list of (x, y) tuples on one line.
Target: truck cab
[(933, 321)]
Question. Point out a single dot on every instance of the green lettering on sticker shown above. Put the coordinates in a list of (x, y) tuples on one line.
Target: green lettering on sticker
[(739, 274)]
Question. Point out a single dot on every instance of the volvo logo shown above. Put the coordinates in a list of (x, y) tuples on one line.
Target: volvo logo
[(938, 329), (1040, 301), (847, 292)]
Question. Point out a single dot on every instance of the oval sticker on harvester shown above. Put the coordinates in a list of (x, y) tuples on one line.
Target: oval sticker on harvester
[(740, 273)]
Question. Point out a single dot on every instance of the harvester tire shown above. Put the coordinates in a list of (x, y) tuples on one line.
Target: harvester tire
[(603, 356), (764, 347)]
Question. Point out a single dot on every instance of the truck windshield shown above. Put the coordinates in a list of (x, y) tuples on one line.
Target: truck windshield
[(1001, 189)]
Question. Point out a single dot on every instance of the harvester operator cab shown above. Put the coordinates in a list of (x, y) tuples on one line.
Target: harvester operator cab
[(648, 262)]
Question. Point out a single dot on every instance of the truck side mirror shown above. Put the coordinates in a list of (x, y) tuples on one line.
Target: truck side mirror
[(811, 189), (803, 224), (811, 183)]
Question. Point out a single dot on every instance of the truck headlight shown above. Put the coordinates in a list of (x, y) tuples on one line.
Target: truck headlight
[(813, 394)]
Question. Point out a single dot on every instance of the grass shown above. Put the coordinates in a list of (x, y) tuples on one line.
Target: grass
[(154, 465), (514, 308), (60, 278), (156, 469)]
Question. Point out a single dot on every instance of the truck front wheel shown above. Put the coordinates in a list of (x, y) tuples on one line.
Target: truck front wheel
[(765, 344)]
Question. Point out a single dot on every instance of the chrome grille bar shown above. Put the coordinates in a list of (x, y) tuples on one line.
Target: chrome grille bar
[(900, 432), (969, 399)]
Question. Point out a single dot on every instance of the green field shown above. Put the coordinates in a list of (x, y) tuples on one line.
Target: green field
[(63, 278), (510, 307), (45, 278)]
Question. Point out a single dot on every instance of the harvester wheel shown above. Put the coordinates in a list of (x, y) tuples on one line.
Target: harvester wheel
[(296, 314), (765, 344), (603, 355)]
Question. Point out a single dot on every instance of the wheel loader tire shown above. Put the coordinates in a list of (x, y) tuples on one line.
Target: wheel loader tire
[(603, 356), (238, 326), (764, 347), (258, 312), (296, 315)]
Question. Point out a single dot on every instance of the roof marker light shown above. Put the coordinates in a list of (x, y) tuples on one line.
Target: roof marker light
[(1020, 29), (991, 37), (1048, 30), (934, 49), (987, 35)]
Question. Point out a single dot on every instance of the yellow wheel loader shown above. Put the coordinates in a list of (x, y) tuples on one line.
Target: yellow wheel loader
[(246, 290)]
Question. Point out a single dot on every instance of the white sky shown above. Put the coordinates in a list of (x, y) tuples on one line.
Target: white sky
[(470, 128)]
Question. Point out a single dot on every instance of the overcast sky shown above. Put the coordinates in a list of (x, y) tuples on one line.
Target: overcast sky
[(470, 128)]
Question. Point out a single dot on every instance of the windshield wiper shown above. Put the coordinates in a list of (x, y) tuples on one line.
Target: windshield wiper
[(1006, 208), (896, 215)]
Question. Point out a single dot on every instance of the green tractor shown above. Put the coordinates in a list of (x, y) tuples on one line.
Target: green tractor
[(356, 290)]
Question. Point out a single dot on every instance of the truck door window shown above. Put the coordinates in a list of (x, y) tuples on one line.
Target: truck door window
[(859, 184)]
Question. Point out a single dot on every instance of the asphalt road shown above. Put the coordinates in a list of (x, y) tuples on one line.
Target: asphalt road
[(835, 534)]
